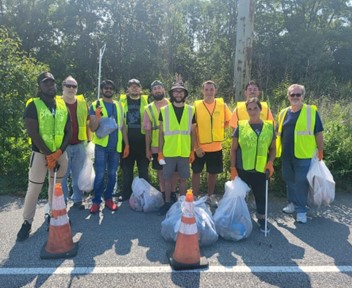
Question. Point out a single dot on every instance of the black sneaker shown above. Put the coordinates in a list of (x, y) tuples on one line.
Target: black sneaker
[(163, 210), (261, 223), (23, 234), (78, 205), (173, 197)]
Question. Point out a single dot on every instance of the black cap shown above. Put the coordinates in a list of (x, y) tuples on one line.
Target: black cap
[(134, 81), (107, 83), (45, 76), (156, 83)]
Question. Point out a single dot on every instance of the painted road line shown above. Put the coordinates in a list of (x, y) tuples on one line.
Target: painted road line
[(167, 269)]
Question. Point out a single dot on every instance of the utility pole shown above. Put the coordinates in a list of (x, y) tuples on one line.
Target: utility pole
[(244, 39)]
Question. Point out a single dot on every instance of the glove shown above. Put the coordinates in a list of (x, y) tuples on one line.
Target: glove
[(269, 166), (54, 156), (161, 158), (51, 163), (234, 173), (192, 157), (126, 151), (200, 153), (320, 155), (98, 113)]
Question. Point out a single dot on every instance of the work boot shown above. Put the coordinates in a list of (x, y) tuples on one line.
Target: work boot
[(95, 208), (109, 203), (173, 197), (261, 223), (163, 210), (24, 232)]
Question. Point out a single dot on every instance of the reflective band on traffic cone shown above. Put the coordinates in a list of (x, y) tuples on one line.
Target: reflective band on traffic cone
[(60, 243), (187, 254)]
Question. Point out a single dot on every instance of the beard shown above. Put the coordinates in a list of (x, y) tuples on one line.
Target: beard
[(159, 97), (108, 96)]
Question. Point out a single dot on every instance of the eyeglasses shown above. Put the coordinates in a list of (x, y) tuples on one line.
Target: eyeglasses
[(70, 86), (108, 88), (295, 95)]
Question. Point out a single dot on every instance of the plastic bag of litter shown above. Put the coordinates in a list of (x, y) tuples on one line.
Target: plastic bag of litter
[(87, 175)]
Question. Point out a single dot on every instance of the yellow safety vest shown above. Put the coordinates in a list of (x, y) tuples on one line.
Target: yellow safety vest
[(153, 114), (211, 127), (177, 136), (144, 102), (119, 120), (304, 138), (51, 128), (255, 148), (242, 114), (82, 114)]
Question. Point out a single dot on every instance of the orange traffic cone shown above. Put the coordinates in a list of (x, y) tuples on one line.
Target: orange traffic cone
[(186, 254), (60, 243)]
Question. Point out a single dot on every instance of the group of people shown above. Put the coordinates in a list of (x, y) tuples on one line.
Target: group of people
[(170, 133)]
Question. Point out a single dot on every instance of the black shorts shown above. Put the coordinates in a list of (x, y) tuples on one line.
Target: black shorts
[(213, 160), (155, 162)]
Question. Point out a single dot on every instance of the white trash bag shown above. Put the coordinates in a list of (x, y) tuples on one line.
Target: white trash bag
[(205, 225), (232, 218), (87, 175), (144, 196), (321, 184)]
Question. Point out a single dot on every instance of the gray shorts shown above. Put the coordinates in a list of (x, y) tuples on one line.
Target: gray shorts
[(176, 164)]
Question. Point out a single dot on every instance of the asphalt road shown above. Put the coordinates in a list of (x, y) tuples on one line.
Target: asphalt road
[(125, 249)]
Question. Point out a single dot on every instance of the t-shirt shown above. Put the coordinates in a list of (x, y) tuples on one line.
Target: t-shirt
[(72, 109), (111, 109), (288, 131), (257, 128), (133, 120)]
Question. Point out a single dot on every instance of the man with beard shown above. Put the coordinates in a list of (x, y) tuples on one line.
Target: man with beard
[(107, 147), (48, 124), (175, 140), (134, 104)]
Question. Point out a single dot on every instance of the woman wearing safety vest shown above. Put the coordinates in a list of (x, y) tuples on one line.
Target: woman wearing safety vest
[(299, 134), (250, 159)]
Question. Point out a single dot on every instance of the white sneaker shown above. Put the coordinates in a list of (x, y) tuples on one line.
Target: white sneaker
[(289, 209), (301, 217)]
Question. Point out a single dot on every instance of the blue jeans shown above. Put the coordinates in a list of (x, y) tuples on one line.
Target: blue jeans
[(76, 156), (294, 173), (105, 158)]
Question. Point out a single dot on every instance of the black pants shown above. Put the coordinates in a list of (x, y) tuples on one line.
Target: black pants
[(256, 181), (137, 155)]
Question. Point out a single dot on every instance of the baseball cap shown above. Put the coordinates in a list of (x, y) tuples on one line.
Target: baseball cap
[(134, 81), (156, 83), (45, 76)]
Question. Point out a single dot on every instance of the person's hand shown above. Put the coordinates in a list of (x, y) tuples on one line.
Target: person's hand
[(148, 154), (200, 153), (98, 113), (234, 173), (161, 158), (126, 151), (320, 155), (270, 167), (192, 157), (50, 163), (54, 156)]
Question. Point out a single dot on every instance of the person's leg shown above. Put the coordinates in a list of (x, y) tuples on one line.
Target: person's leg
[(64, 183), (258, 184), (195, 183), (211, 183), (143, 165), (78, 159), (301, 167), (184, 173), (99, 167), (112, 165), (214, 164), (197, 168), (127, 165), (288, 175)]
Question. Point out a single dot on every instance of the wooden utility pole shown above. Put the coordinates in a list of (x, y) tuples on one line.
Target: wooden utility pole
[(244, 39)]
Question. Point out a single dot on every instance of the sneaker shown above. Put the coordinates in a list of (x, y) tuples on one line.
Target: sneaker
[(23, 234), (111, 205), (261, 223), (301, 217), (123, 198), (173, 198), (163, 210), (78, 205), (289, 209), (94, 209)]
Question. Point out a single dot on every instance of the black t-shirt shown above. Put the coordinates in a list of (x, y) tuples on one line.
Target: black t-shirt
[(134, 122), (178, 112)]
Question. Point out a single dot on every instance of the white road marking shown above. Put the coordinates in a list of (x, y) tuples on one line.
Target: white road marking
[(167, 269)]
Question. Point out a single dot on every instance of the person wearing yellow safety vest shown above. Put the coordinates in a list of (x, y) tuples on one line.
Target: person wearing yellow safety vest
[(134, 104), (240, 112), (299, 134), (76, 153), (176, 141), (108, 145), (48, 124), (249, 156), (212, 117)]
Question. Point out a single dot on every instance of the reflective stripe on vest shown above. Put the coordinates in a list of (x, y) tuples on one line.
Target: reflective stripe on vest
[(242, 113), (119, 120), (211, 127), (153, 114), (304, 138), (177, 136), (51, 128), (144, 102)]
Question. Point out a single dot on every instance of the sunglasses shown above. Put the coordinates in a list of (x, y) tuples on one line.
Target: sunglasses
[(70, 86), (108, 88), (295, 95)]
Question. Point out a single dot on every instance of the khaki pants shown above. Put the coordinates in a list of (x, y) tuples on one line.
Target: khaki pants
[(36, 177)]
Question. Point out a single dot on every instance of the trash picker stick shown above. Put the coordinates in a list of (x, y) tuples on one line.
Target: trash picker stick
[(101, 53)]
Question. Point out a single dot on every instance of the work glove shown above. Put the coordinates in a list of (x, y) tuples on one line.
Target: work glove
[(54, 156), (51, 163), (200, 153), (234, 173), (269, 167), (126, 151), (192, 157), (98, 113), (320, 155), (161, 158)]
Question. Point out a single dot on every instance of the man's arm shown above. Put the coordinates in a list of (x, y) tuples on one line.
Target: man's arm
[(32, 127), (67, 135)]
